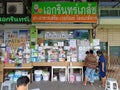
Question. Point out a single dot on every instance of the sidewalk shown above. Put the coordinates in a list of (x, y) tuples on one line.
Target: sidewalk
[(56, 85)]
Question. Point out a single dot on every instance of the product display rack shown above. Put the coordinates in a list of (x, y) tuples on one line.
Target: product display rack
[(53, 65), (14, 67)]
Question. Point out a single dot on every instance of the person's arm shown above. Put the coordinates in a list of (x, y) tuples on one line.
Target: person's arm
[(103, 66)]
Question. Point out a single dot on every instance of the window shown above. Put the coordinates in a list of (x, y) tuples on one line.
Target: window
[(109, 12), (113, 12), (115, 50), (104, 13)]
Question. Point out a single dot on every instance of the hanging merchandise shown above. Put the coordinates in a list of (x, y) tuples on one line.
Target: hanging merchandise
[(52, 55), (83, 46), (6, 55), (61, 54), (19, 58), (73, 50), (41, 54), (34, 55), (26, 55), (12, 55)]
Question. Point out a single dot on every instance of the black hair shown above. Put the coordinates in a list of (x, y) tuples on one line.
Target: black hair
[(23, 80), (99, 52), (87, 52), (91, 51)]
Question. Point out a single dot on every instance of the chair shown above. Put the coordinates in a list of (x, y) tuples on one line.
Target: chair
[(8, 85), (111, 84)]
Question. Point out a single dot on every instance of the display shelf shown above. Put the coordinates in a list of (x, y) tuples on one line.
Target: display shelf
[(18, 68), (54, 65)]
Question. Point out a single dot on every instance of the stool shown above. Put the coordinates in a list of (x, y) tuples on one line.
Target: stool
[(111, 84), (7, 85)]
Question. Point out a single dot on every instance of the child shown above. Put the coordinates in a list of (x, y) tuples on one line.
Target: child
[(22, 83)]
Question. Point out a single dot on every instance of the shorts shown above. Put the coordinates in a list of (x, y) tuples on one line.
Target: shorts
[(102, 74)]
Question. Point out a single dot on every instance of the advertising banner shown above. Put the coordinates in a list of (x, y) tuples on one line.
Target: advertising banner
[(85, 12)]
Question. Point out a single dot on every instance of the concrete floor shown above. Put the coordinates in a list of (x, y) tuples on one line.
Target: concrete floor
[(56, 85)]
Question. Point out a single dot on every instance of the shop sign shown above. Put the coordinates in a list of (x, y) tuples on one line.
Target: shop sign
[(15, 19), (64, 12)]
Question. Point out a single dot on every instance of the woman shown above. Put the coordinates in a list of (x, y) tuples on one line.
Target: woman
[(91, 63), (102, 67)]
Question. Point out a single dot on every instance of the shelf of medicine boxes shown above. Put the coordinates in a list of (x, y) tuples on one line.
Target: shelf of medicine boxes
[(13, 66)]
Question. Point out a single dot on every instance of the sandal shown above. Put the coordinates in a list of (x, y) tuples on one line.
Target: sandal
[(84, 84), (101, 86), (91, 84)]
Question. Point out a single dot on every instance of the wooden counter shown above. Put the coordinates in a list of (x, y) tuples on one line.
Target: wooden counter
[(58, 64), (78, 63), (50, 63), (46, 64)]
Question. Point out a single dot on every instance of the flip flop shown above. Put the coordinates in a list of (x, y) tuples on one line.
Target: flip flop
[(91, 84), (101, 86), (84, 84)]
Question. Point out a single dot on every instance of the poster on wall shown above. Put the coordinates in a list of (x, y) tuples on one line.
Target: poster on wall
[(81, 34), (16, 38), (25, 34), (9, 35)]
